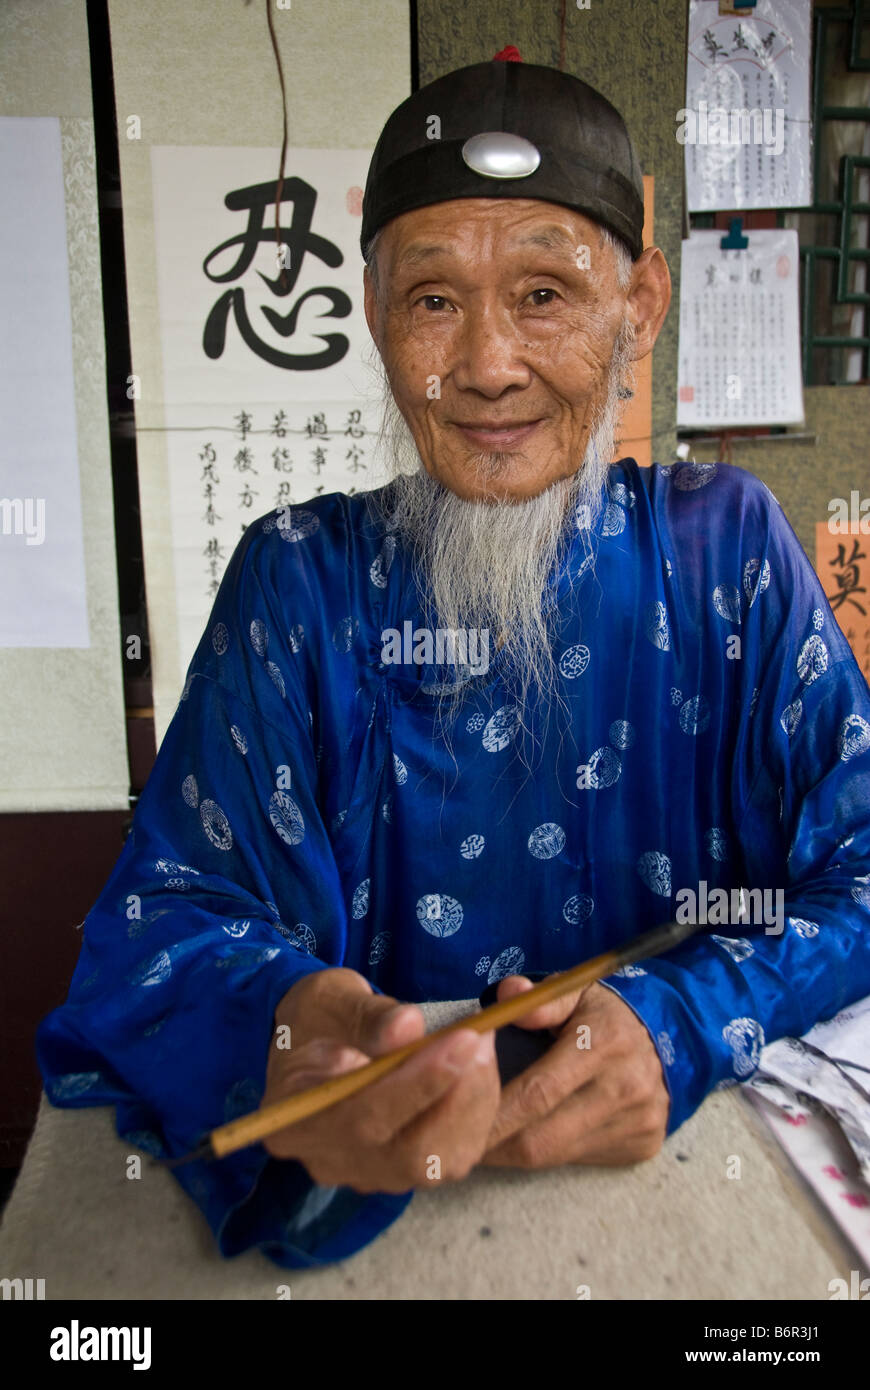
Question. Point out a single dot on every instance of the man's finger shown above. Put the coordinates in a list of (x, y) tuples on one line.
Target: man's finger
[(551, 1015), (541, 1088), (581, 1130), (347, 1009)]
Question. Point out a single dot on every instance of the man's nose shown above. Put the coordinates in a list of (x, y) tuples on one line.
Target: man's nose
[(488, 353)]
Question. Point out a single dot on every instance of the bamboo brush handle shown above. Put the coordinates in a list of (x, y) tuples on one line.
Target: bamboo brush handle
[(269, 1119)]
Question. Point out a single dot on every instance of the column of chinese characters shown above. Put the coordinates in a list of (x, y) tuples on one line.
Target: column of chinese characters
[(212, 550), (846, 571)]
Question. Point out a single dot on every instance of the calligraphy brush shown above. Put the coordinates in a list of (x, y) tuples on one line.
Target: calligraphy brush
[(269, 1119)]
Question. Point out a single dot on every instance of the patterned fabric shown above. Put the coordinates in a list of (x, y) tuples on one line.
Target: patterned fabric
[(711, 731)]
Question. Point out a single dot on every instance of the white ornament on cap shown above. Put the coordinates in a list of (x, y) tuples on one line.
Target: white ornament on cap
[(500, 155)]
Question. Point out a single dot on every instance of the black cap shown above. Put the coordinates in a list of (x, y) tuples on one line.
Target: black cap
[(541, 133)]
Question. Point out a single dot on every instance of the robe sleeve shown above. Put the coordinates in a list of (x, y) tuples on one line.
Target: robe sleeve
[(800, 807), (226, 893)]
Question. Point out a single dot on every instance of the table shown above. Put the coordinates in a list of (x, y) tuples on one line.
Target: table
[(675, 1226)]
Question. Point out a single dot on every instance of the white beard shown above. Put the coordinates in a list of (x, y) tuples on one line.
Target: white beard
[(484, 564)]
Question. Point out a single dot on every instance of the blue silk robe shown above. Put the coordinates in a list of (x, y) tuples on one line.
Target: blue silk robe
[(301, 816)]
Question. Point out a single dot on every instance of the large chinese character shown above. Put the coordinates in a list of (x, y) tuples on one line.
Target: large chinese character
[(847, 579), (256, 199)]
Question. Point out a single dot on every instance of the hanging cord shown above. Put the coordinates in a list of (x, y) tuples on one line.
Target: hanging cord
[(282, 277)]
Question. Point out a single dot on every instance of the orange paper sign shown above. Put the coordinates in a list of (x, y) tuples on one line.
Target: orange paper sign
[(843, 566)]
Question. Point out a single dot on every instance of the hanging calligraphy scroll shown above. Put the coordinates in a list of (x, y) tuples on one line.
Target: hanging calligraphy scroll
[(269, 394)]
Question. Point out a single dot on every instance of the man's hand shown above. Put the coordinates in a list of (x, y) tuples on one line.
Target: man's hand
[(603, 1101), (425, 1122)]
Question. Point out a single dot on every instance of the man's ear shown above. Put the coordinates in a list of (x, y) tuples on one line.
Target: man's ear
[(648, 299)]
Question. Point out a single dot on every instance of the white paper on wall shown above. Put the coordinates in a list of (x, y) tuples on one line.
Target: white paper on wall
[(43, 600), (746, 125), (739, 353)]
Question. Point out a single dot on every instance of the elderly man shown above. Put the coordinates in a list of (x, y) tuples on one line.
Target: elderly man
[(504, 713)]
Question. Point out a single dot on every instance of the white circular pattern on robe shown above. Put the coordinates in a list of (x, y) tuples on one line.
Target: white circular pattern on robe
[(216, 825), (472, 846), (861, 894), (805, 929), (666, 1048), (295, 524), (752, 584), (156, 971), (303, 937), (187, 684), (238, 738), (482, 965), (691, 476), (74, 1083), (501, 728), (439, 914), (339, 820), (726, 601), (695, 715), (546, 841), (630, 972), (400, 771), (296, 636), (259, 636), (169, 866), (621, 733), (614, 520), (818, 619), (812, 659), (276, 678), (237, 929), (220, 638), (344, 632), (669, 571), (655, 618), (583, 516), (717, 844), (578, 908), (738, 947), (387, 809), (360, 900), (190, 791), (604, 768), (269, 523), (622, 494), (380, 947), (475, 723), (745, 1037), (654, 868), (754, 699), (573, 661), (676, 696), (508, 962), (380, 566), (853, 737), (179, 885), (286, 818), (791, 717)]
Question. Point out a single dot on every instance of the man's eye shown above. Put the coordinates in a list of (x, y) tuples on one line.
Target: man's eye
[(545, 289), (427, 300)]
